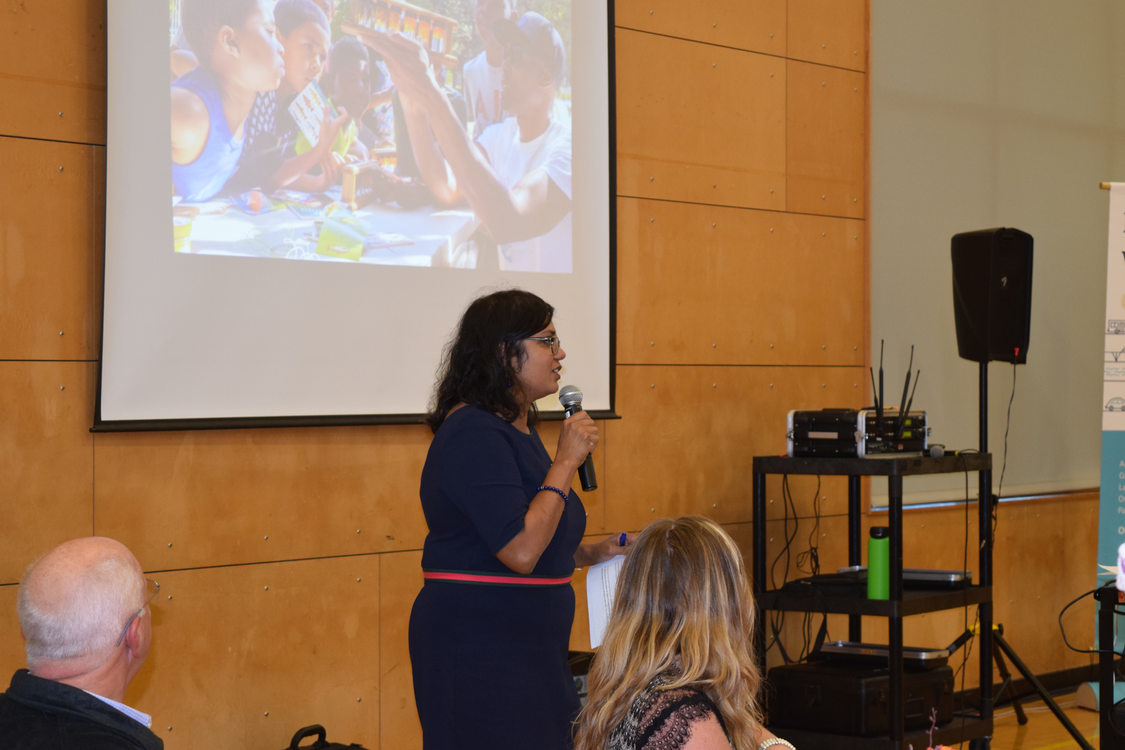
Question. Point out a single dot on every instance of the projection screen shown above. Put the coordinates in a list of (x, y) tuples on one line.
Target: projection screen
[(249, 284)]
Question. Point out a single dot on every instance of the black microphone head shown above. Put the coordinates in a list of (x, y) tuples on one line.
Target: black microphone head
[(570, 396)]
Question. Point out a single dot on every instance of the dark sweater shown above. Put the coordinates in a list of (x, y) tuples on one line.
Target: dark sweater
[(38, 714)]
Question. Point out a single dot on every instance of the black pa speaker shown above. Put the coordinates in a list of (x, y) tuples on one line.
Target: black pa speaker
[(992, 294)]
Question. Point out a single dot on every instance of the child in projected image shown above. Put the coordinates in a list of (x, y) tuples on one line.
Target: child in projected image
[(348, 84), (239, 56), (306, 40), (271, 160)]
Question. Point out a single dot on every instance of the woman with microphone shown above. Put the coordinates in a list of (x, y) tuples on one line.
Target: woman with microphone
[(490, 629)]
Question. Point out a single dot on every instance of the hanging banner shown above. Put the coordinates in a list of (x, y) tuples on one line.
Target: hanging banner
[(1111, 517)]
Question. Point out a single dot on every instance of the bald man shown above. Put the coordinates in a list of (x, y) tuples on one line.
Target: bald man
[(84, 615)]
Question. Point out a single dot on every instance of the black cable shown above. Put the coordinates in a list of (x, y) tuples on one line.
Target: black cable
[(811, 559), (811, 556), (777, 617), (1004, 459), (968, 647), (1062, 629), (786, 501), (806, 635)]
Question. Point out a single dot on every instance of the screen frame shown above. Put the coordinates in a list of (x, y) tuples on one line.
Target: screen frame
[(102, 425)]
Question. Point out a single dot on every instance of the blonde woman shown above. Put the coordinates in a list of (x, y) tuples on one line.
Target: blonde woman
[(676, 666)]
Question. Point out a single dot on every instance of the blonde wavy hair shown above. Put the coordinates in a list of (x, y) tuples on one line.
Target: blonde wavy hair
[(683, 601)]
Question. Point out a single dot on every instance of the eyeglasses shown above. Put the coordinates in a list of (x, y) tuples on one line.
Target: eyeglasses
[(551, 341), (153, 588)]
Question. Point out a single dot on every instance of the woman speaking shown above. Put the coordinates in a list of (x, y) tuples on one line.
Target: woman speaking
[(490, 629)]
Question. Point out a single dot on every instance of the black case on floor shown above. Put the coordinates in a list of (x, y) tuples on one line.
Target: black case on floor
[(320, 743), (852, 699)]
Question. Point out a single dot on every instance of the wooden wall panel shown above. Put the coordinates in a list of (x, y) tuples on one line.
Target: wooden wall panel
[(757, 25), (1030, 587), (184, 499), (11, 643), (52, 213), (245, 656), (687, 435), (1045, 557), (826, 122), (742, 533), (830, 32), (699, 123), (400, 580), (46, 459), (805, 496), (52, 70), (796, 632), (580, 631), (943, 538), (829, 537), (717, 285), (733, 118)]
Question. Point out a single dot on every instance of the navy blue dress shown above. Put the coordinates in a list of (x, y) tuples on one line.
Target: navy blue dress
[(489, 660)]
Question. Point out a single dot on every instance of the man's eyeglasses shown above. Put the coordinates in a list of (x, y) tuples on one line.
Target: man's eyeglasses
[(153, 588), (551, 341)]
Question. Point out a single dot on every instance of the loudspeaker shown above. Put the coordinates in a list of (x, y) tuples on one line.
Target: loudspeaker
[(992, 294)]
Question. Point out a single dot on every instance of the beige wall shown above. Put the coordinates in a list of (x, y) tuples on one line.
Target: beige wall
[(289, 557), (1001, 113)]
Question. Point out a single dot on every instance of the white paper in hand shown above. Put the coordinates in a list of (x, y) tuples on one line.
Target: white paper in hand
[(601, 585), (307, 110)]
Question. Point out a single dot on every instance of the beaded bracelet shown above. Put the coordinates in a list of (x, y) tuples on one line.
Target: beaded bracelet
[(775, 742), (553, 489)]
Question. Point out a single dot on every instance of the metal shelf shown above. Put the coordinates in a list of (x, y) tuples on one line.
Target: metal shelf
[(885, 465), (851, 599), (960, 729)]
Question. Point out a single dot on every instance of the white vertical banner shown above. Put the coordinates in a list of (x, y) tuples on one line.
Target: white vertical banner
[(1111, 515)]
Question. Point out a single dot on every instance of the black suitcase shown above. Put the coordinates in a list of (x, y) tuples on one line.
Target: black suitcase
[(853, 699), (321, 742)]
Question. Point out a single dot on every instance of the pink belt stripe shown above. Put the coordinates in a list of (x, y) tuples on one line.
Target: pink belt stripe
[(495, 580)]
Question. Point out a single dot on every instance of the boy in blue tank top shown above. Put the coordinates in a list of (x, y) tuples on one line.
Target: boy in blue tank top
[(239, 55)]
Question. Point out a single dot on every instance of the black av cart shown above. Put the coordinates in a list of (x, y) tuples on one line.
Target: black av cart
[(976, 729)]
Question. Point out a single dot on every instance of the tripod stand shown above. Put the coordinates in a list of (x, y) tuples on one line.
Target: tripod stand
[(1021, 717), (987, 650)]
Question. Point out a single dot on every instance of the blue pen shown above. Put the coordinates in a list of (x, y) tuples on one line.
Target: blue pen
[(621, 540)]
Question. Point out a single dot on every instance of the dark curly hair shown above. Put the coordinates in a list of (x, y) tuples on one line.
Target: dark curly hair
[(477, 366)]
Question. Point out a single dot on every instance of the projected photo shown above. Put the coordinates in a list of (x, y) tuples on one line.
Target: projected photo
[(432, 134), (346, 177)]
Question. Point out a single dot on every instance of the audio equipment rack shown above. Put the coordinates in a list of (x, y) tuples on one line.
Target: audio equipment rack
[(976, 729)]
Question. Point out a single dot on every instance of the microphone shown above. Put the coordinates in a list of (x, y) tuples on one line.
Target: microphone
[(570, 397)]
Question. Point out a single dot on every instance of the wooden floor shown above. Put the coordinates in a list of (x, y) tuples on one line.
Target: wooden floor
[(1043, 731)]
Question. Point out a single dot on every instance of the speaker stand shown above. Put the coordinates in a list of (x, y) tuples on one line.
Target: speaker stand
[(1021, 717), (997, 635)]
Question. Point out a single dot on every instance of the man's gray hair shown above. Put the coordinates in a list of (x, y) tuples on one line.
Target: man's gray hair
[(80, 616)]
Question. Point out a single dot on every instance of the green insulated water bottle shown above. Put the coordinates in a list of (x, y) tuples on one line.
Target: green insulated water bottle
[(878, 563)]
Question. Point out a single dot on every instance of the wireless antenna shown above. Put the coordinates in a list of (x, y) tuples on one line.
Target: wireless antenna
[(874, 393), (909, 402), (902, 401), (879, 401)]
